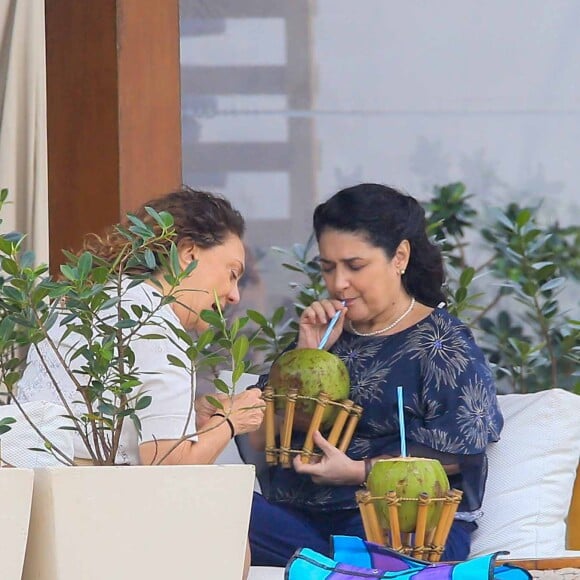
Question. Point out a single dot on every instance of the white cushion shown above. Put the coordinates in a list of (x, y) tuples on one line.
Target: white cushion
[(266, 573), (18, 442), (531, 476)]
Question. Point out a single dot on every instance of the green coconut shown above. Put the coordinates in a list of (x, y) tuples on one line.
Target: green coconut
[(310, 371), (408, 477)]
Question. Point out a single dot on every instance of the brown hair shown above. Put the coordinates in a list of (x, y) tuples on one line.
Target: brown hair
[(202, 217)]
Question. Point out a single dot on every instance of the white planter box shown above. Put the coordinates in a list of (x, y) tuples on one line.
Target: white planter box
[(16, 494), (145, 523)]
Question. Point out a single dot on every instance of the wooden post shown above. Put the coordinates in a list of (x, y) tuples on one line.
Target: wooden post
[(113, 112)]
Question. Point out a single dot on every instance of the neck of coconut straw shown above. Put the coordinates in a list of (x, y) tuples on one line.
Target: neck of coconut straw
[(401, 422)]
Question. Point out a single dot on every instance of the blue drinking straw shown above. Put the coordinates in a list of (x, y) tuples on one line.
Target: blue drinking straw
[(401, 422), (331, 325)]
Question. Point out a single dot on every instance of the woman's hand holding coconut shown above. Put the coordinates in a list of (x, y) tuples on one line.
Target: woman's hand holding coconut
[(333, 468)]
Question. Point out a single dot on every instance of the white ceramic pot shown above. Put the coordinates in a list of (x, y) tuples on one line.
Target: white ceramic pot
[(16, 493), (139, 522)]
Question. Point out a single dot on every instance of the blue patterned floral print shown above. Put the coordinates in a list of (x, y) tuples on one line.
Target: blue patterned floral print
[(450, 408)]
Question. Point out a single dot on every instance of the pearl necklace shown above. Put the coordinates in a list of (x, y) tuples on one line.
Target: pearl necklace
[(387, 328)]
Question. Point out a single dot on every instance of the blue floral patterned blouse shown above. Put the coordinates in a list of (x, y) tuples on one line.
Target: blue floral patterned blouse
[(450, 409)]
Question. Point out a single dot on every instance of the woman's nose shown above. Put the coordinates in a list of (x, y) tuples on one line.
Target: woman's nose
[(233, 296), (340, 281)]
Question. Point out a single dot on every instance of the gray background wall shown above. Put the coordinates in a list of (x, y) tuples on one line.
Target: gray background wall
[(407, 92)]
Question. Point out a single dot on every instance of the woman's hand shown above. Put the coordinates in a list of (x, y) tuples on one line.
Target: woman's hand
[(335, 468), (314, 321), (204, 409), (247, 411)]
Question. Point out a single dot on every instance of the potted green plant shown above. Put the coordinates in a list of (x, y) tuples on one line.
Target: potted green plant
[(81, 513)]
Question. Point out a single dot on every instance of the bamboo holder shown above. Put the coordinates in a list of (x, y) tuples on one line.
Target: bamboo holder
[(353, 419), (308, 446), (393, 504), (286, 435), (373, 531), (422, 510), (269, 419), (342, 429), (450, 506), (340, 422), (420, 543)]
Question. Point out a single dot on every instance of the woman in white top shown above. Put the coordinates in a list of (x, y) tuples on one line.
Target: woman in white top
[(209, 231)]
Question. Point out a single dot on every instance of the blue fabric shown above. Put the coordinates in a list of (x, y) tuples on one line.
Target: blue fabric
[(276, 532), (357, 559), (450, 409)]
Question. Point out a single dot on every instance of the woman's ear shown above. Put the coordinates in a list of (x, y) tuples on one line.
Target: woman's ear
[(402, 256), (187, 252)]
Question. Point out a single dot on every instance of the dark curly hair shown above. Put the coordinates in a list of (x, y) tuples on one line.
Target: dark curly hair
[(386, 217), (202, 217)]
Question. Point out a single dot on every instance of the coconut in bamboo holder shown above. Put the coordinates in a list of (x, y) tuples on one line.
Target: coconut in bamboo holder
[(308, 389), (408, 504)]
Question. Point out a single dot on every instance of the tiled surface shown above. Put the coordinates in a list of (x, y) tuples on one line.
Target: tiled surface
[(563, 574)]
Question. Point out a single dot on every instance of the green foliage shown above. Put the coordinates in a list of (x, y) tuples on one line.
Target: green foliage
[(517, 315), (87, 302), (511, 299), (5, 424)]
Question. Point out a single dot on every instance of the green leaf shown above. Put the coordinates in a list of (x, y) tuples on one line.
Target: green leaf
[(85, 264), (504, 220), (10, 266), (235, 327), (238, 371), (68, 272), (222, 386), (107, 408), (175, 361), (257, 317), (143, 402), (149, 257), (153, 213), (174, 260), (240, 348), (205, 338), (152, 336), (552, 284), (127, 323), (212, 318), (213, 401), (461, 294), (278, 315), (523, 217), (137, 422), (466, 276), (166, 219)]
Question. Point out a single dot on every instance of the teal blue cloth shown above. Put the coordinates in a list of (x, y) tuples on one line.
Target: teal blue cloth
[(356, 559)]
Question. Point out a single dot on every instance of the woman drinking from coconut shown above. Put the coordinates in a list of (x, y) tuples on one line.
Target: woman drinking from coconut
[(385, 278)]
